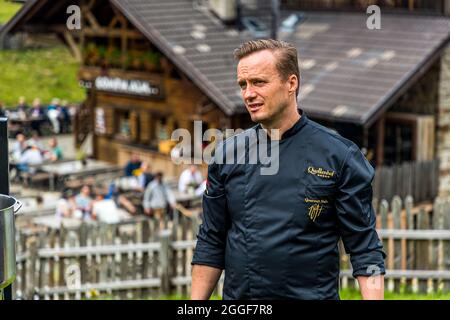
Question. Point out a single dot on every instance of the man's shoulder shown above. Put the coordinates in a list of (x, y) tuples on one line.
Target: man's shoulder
[(238, 138), (322, 135)]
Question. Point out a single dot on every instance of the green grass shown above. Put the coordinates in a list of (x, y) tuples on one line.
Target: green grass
[(39, 73), (347, 294), (7, 10), (355, 295)]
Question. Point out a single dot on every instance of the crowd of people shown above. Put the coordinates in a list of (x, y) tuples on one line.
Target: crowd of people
[(27, 155), (146, 193), (87, 205), (58, 113)]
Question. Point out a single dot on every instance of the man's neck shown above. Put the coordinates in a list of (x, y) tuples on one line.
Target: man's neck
[(286, 121)]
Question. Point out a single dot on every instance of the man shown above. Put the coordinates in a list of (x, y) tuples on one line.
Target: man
[(22, 108), (145, 176), (37, 115), (133, 165), (276, 236), (83, 202), (158, 198), (105, 210), (55, 153), (30, 158), (53, 110), (37, 141), (19, 146), (190, 179)]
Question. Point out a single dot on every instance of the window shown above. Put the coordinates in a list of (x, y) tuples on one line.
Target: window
[(123, 129)]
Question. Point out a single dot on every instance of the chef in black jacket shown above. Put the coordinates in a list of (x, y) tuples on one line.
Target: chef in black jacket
[(276, 235)]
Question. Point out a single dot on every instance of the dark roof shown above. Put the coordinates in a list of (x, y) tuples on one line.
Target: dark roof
[(349, 73)]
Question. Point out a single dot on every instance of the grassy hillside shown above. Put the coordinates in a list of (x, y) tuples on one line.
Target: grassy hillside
[(43, 73), (7, 10)]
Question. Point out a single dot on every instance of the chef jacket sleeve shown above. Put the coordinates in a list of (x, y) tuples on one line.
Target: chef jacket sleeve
[(212, 234), (356, 217)]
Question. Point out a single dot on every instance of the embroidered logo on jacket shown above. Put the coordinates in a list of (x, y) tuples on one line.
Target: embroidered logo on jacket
[(320, 172), (314, 211)]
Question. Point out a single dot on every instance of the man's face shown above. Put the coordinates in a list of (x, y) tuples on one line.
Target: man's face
[(265, 94), (85, 191)]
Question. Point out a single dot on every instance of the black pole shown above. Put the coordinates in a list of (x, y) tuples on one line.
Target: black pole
[(4, 178), (4, 160), (275, 19), (239, 15)]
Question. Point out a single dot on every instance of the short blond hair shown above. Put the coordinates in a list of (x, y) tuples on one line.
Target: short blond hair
[(287, 57)]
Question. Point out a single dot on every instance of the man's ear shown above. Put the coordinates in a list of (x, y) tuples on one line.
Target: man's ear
[(293, 84)]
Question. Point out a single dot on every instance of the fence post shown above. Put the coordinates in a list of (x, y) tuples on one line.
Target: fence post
[(145, 256), (33, 248), (83, 243), (196, 221), (438, 224), (446, 249), (384, 207), (175, 224), (164, 236), (423, 247), (399, 245)]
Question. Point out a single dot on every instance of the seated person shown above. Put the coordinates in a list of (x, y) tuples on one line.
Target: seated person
[(83, 202), (36, 140), (120, 200), (145, 176), (22, 108), (132, 165), (64, 117), (19, 146), (37, 115), (30, 158), (55, 152), (105, 210), (66, 205), (190, 179), (201, 188)]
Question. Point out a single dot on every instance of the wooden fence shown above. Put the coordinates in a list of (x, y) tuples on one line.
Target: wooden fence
[(127, 260), (417, 243), (418, 179), (137, 260)]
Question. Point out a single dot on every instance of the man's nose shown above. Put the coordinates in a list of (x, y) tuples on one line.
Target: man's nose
[(249, 93)]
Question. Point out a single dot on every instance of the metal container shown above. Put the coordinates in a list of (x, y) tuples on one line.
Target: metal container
[(8, 208)]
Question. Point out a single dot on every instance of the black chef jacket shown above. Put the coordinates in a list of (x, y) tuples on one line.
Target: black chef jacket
[(277, 236)]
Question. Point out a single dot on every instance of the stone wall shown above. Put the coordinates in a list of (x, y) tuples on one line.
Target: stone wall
[(443, 130)]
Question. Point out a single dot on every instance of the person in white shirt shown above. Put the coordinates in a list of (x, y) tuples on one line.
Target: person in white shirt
[(105, 210), (36, 140), (31, 157), (190, 179), (19, 146), (66, 205)]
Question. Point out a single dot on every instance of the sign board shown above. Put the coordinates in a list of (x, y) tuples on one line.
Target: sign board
[(116, 85)]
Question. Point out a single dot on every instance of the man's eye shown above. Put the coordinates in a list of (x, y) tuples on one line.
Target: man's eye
[(242, 85), (258, 82)]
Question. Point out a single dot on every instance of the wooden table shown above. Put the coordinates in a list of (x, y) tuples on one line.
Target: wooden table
[(76, 168)]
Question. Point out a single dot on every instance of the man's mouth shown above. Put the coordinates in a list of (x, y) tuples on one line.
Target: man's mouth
[(254, 106)]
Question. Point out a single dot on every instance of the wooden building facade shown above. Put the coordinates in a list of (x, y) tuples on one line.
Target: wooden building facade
[(150, 67)]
